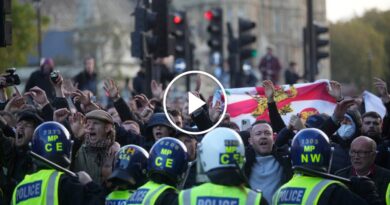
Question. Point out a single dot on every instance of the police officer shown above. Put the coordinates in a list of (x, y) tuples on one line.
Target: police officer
[(167, 163), (51, 140), (311, 149), (129, 173), (222, 156)]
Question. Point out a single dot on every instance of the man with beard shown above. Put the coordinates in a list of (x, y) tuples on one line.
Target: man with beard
[(14, 151), (95, 153), (372, 126)]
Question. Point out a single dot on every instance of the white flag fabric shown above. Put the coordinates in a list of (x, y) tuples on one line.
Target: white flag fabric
[(246, 105), (373, 103)]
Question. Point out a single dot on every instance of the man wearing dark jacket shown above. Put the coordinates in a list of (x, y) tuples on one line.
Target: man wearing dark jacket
[(348, 131), (49, 186), (362, 153), (267, 168), (41, 78), (14, 150), (87, 79)]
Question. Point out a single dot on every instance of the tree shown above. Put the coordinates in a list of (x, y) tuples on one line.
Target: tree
[(357, 52), (24, 36), (381, 22)]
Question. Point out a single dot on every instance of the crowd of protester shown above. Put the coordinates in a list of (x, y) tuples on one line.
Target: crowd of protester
[(360, 139)]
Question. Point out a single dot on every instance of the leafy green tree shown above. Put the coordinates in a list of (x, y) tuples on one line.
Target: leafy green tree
[(380, 20), (24, 36), (357, 52)]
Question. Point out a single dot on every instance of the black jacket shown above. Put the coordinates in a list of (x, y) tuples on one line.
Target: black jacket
[(71, 191), (380, 176), (18, 164), (38, 78), (86, 81)]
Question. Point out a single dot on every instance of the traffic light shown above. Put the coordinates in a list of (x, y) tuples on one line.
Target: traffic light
[(245, 39), (320, 43), (142, 42), (162, 29), (180, 32), (215, 30), (5, 23)]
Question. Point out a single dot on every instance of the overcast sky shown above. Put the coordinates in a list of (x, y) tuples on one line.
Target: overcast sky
[(346, 9)]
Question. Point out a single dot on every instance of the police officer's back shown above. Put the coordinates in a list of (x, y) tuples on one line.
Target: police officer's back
[(51, 140), (167, 162), (311, 149), (222, 156), (128, 174)]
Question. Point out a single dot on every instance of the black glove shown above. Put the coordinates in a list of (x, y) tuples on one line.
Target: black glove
[(365, 188)]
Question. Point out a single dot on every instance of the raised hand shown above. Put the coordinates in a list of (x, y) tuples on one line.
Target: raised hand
[(146, 114), (77, 122), (57, 84), (341, 108), (142, 102), (334, 89), (111, 89), (269, 90), (157, 90), (295, 123), (215, 111), (381, 86), (61, 114), (15, 103), (38, 95), (83, 97)]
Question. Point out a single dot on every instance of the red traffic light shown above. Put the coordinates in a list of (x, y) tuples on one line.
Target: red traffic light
[(208, 15), (177, 19)]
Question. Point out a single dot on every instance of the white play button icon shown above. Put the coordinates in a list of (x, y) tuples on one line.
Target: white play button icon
[(178, 96), (194, 103)]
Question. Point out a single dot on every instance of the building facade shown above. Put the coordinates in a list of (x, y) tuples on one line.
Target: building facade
[(280, 25)]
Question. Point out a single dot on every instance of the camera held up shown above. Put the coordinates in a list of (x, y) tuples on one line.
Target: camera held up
[(11, 78)]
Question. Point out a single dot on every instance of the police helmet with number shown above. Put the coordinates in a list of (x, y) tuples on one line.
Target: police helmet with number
[(51, 140), (130, 165), (221, 148), (310, 147), (168, 157)]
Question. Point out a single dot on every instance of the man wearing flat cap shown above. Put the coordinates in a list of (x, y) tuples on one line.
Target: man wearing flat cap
[(95, 156)]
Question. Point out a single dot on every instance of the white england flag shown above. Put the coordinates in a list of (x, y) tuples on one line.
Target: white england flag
[(246, 105)]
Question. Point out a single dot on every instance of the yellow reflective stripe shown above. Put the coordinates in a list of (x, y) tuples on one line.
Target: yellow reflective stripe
[(311, 199), (251, 198), (51, 188), (275, 197), (187, 197), (147, 200)]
